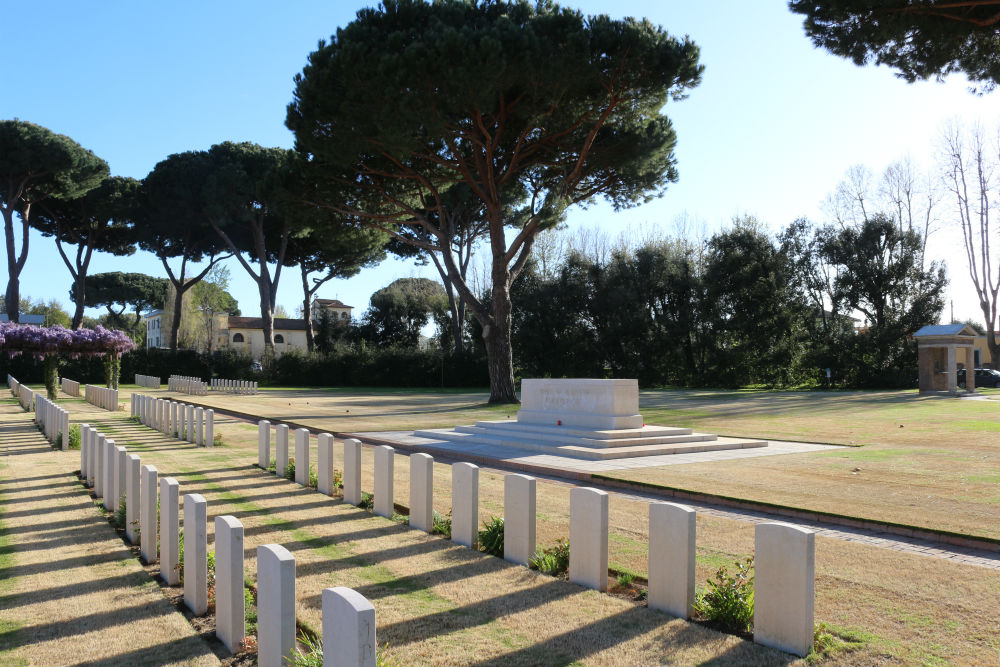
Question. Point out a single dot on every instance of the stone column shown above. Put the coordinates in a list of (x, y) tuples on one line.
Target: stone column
[(199, 426), (348, 628), (302, 456), (950, 367), (384, 459), (170, 531), (588, 538), (324, 463), (133, 405), (970, 370), (189, 413), (229, 611), (263, 444), (352, 471), (672, 558), (465, 504), (110, 457), (147, 513), (132, 500), (210, 428), (422, 492), (784, 586), (281, 449), (275, 605), (519, 518), (196, 553)]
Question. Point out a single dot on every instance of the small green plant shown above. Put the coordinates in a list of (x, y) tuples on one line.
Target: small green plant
[(441, 525), (830, 640), (367, 501), (290, 470), (313, 478), (217, 440), (74, 437), (728, 603), (338, 479), (250, 610), (313, 655), (491, 537), (135, 420), (210, 557), (58, 443), (553, 560), (118, 519), (625, 579), (401, 518), (272, 466)]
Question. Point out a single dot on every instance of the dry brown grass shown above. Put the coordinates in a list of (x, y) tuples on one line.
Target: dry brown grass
[(439, 604), (71, 592), (928, 461)]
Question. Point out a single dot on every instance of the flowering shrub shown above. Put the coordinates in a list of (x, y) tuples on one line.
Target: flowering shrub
[(50, 342)]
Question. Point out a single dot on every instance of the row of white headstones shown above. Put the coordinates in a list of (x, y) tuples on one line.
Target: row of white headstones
[(234, 386), (784, 582), (187, 385), (149, 381), (102, 397), (116, 476), (70, 387), (177, 420)]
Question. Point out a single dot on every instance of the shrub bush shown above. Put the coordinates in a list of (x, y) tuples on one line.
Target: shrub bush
[(441, 525), (553, 560), (728, 603), (74, 436), (491, 537)]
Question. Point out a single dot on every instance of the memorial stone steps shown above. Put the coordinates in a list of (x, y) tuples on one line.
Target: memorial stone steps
[(554, 437), (584, 452)]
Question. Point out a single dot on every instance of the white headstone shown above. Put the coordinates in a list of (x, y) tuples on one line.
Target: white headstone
[(275, 605), (263, 444), (348, 629), (352, 471), (519, 518), (170, 531), (147, 513), (465, 504), (422, 492), (324, 463), (281, 449), (588, 538), (230, 616), (784, 587), (196, 553), (132, 500), (384, 459), (672, 558), (302, 456)]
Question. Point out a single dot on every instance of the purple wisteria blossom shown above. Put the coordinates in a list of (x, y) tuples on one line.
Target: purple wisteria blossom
[(43, 341)]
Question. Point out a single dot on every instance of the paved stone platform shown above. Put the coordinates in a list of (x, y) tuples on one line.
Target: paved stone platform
[(521, 456)]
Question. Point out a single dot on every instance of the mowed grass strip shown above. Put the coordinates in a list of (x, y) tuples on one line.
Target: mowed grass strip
[(70, 592), (440, 604)]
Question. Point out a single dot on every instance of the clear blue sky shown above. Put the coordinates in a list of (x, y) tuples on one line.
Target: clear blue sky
[(770, 132)]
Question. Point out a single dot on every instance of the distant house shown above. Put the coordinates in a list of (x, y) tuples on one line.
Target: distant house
[(982, 354), (245, 334), (340, 311)]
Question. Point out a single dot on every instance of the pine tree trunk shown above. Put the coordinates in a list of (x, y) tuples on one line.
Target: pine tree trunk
[(80, 296), (175, 324), (12, 298), (499, 354), (307, 310)]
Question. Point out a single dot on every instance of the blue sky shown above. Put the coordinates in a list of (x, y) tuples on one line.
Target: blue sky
[(770, 131)]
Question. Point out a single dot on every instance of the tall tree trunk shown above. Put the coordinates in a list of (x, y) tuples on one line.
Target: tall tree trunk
[(79, 295), (498, 346), (266, 315), (307, 309), (175, 322), (15, 261)]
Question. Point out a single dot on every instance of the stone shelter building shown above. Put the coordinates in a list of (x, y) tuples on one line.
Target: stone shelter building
[(940, 349)]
